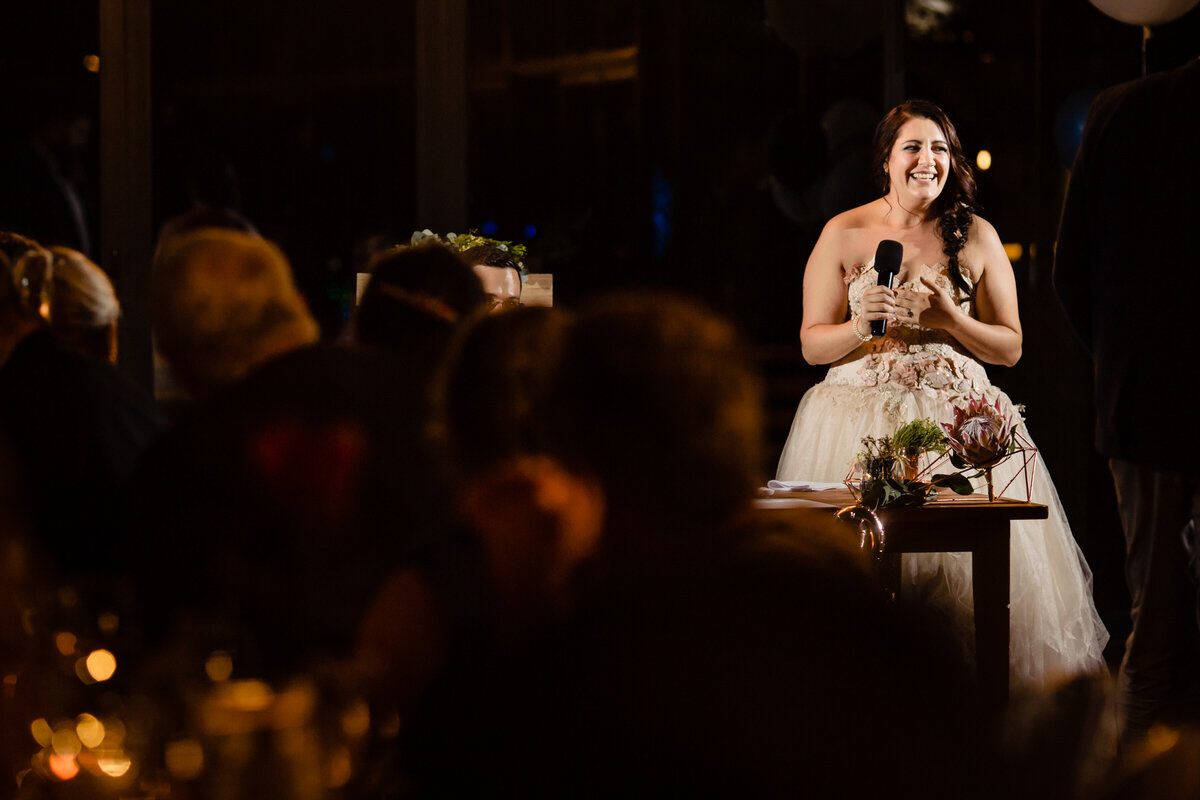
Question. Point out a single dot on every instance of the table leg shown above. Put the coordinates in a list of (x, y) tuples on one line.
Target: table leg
[(989, 568)]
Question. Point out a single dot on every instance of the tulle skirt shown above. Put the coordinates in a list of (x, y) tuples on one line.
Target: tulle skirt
[(1055, 630)]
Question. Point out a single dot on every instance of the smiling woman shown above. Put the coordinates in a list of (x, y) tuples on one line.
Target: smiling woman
[(952, 305)]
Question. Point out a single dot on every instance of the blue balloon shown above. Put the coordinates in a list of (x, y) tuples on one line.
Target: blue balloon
[(1069, 121)]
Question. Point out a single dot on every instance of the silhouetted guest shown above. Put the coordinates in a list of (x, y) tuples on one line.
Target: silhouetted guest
[(703, 649), (1125, 272), (201, 217), (83, 306), (274, 511), (415, 299), (224, 302), (77, 428), (37, 196), (494, 386)]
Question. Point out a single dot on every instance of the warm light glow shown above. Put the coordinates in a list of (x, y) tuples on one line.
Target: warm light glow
[(65, 642), (91, 63), (357, 720), (249, 696), (184, 759), (1160, 739), (63, 767), (219, 667), (101, 665), (114, 732), (89, 730), (339, 769), (42, 732), (64, 742), (114, 767), (109, 623), (983, 160), (1014, 251)]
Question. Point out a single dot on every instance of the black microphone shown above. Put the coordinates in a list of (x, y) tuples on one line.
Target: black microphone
[(888, 256)]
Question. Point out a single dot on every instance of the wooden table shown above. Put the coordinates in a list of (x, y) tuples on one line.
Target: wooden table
[(969, 524)]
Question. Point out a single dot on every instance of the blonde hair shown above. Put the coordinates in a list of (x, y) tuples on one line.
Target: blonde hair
[(222, 302), (83, 304)]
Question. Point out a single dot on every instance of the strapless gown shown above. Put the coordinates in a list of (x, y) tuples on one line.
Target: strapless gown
[(916, 372)]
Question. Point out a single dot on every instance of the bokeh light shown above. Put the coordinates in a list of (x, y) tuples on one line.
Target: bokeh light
[(63, 767), (248, 696), (65, 642), (114, 766), (42, 732), (101, 665), (65, 742), (184, 759), (357, 720), (340, 769), (489, 228), (89, 730), (983, 160), (91, 62), (219, 666), (114, 732), (109, 623)]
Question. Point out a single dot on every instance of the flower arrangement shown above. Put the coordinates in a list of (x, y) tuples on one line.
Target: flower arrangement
[(465, 241), (890, 476), (980, 437)]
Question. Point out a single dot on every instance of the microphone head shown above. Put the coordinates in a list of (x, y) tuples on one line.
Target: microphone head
[(888, 256)]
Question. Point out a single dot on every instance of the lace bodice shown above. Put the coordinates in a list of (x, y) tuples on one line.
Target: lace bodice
[(909, 355)]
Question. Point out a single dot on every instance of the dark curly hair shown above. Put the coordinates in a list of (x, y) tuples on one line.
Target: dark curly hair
[(955, 207)]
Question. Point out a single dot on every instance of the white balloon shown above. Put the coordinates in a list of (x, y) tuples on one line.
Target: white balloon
[(1145, 12)]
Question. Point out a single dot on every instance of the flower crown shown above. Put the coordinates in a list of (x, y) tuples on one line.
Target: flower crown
[(465, 241)]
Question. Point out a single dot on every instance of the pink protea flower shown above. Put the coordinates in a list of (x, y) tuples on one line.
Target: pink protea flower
[(981, 433)]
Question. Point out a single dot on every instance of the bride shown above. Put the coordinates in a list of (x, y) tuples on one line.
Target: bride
[(954, 305)]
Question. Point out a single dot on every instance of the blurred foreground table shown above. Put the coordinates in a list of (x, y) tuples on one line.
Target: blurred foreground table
[(970, 524)]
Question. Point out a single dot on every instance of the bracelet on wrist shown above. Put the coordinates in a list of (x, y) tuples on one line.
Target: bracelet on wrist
[(854, 327)]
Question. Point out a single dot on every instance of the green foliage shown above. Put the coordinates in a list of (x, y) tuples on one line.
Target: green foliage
[(465, 241), (921, 433), (882, 488)]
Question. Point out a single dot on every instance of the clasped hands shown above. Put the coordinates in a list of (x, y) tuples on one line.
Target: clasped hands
[(931, 309)]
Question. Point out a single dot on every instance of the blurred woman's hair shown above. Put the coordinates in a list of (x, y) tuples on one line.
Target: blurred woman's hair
[(83, 309), (224, 302)]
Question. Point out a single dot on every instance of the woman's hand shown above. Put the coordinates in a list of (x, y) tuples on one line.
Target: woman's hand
[(877, 302), (932, 309)]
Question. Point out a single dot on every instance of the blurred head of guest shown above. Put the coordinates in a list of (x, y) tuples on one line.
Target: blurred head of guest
[(29, 267), (649, 441), (83, 307), (199, 218), (491, 397), (224, 302), (415, 299), (653, 396), (23, 267), (499, 272)]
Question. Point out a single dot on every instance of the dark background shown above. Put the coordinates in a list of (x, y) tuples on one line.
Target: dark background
[(627, 142)]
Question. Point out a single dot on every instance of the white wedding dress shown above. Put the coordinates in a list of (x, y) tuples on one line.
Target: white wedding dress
[(916, 372)]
